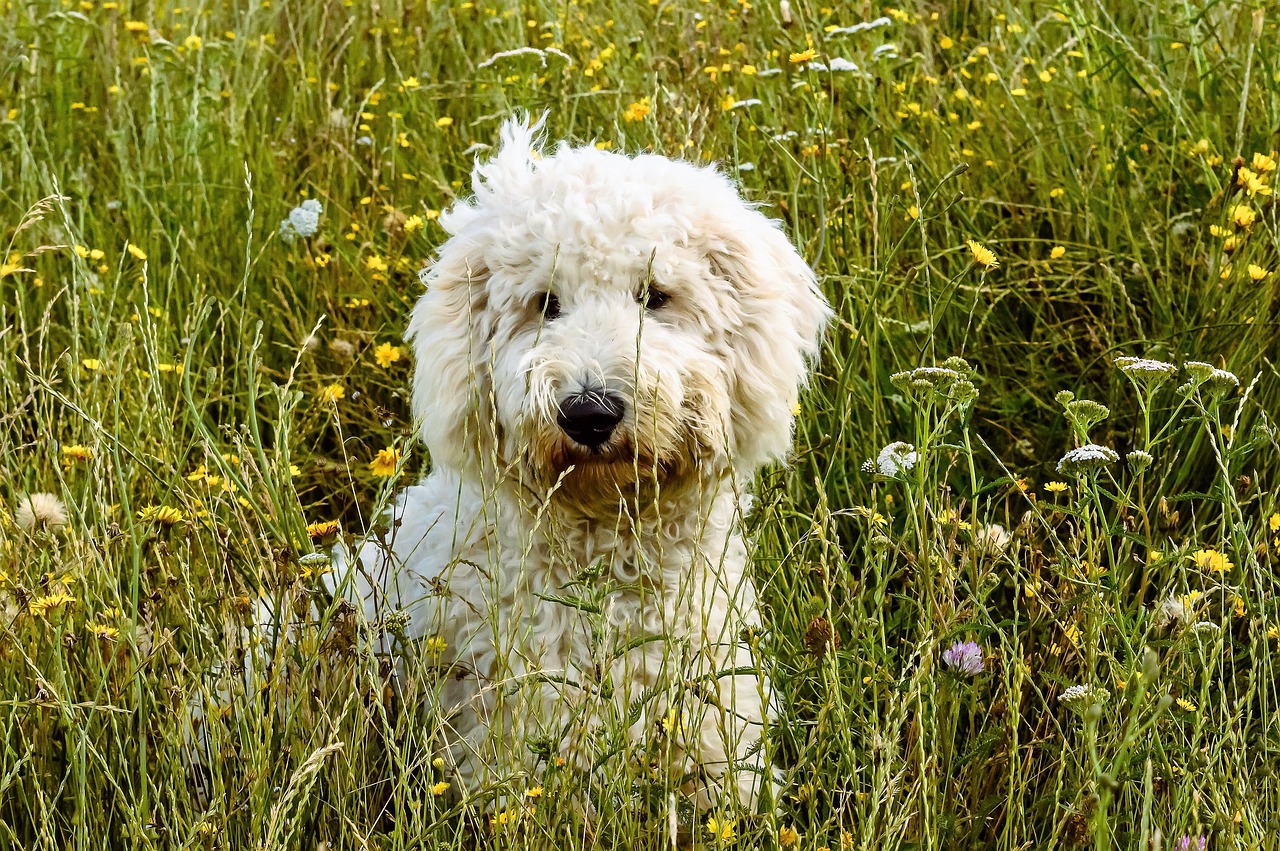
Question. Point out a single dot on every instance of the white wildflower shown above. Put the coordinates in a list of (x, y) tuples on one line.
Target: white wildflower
[(1081, 697), (861, 26), (895, 459), (1087, 458), (1133, 366), (303, 220)]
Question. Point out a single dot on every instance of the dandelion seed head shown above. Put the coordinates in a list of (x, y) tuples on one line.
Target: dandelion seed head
[(40, 511)]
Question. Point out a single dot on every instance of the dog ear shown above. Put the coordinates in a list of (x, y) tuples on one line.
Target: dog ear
[(781, 319), (450, 331)]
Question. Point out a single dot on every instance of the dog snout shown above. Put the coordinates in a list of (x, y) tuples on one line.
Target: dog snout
[(590, 418)]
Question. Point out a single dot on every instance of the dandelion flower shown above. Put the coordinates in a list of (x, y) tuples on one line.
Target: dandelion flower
[(1243, 216), (721, 830), (982, 255), (992, 539), (40, 511), (104, 631), (963, 657), (803, 56), (384, 464), (788, 837), (1212, 561), (333, 393), (386, 354), (163, 515), (42, 606), (322, 529), (1056, 487)]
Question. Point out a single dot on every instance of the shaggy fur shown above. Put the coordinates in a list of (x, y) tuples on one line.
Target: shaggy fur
[(544, 564)]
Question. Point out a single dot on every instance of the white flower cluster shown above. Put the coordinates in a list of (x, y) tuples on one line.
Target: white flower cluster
[(895, 459), (1085, 458), (1135, 366), (1084, 695), (303, 221)]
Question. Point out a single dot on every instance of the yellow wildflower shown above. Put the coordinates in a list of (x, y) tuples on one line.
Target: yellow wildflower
[(136, 26), (1183, 703), (637, 110), (42, 606), (1273, 522), (413, 223), (1211, 560), (374, 263), (322, 529), (1264, 162), (1257, 273), (333, 393), (384, 464), (440, 788), (386, 354), (193, 42), (444, 121), (76, 452), (135, 251), (161, 514), (788, 836), (721, 830), (982, 255), (91, 364), (1056, 252), (1243, 216), (410, 82), (104, 631), (803, 56)]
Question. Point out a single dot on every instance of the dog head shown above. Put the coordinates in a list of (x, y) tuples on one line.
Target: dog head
[(594, 318)]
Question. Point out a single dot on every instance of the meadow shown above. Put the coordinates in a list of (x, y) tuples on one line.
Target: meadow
[(1043, 428)]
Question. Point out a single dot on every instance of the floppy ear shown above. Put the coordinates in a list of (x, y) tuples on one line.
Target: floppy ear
[(781, 319), (450, 332), (453, 324)]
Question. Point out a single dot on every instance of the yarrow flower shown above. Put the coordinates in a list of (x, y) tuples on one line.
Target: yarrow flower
[(1087, 458), (1080, 698), (964, 657), (303, 220), (895, 459)]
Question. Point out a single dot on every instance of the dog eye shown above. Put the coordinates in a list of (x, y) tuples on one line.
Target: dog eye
[(653, 298), (548, 305)]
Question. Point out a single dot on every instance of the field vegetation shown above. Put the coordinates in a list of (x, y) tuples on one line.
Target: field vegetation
[(1020, 577)]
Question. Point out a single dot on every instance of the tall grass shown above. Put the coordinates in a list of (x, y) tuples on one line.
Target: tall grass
[(197, 390)]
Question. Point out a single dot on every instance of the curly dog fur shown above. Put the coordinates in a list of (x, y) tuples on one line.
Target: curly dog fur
[(608, 349)]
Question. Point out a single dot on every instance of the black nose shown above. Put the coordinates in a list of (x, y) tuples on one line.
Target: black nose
[(589, 418)]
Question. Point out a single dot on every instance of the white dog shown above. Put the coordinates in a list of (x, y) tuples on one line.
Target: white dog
[(608, 349)]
